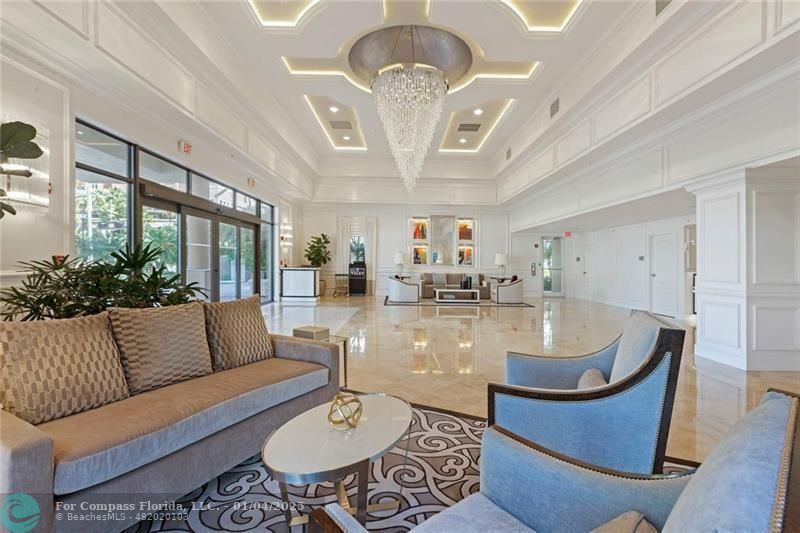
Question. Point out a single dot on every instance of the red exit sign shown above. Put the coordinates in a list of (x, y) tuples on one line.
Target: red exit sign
[(185, 147), (567, 234)]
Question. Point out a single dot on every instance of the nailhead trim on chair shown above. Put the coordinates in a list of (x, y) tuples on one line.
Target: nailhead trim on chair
[(779, 507), (583, 465)]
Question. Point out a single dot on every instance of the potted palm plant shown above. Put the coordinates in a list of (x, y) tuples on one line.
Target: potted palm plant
[(317, 254)]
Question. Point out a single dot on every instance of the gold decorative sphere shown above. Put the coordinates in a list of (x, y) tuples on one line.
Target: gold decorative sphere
[(345, 411)]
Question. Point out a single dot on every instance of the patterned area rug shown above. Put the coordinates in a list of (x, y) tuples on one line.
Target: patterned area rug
[(440, 469)]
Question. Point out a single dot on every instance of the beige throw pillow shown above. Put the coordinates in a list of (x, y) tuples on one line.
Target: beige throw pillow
[(161, 345), (237, 333), (50, 369), (592, 378)]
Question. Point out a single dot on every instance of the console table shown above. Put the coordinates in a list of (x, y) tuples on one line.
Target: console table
[(459, 296)]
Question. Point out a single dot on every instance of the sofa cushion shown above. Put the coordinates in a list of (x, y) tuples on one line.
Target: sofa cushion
[(237, 333), (427, 278), (454, 279), (628, 522), (161, 346), (735, 489), (638, 339), (101, 444), (439, 279), (591, 378), (473, 513), (55, 368)]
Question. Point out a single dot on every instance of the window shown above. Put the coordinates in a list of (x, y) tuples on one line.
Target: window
[(101, 151), (102, 205), (266, 212), (211, 190), (160, 228), (155, 169), (245, 203), (102, 193)]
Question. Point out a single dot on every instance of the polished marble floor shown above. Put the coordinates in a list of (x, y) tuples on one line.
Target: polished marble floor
[(445, 356)]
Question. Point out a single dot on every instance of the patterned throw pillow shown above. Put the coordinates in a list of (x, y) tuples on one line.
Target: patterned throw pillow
[(162, 345), (439, 278), (54, 368), (237, 333)]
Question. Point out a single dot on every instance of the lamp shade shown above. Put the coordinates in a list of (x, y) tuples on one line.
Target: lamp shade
[(501, 259), (398, 258)]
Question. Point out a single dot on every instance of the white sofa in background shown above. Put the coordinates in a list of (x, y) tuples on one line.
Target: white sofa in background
[(404, 291), (508, 292)]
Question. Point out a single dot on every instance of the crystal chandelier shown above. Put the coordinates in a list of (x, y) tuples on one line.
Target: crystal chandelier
[(409, 100)]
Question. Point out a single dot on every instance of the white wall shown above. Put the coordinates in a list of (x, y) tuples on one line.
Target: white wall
[(621, 269), (491, 227), (748, 282)]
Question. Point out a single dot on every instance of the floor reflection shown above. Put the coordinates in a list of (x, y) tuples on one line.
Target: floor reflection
[(445, 356)]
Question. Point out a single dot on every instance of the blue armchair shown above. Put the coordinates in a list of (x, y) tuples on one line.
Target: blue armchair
[(749, 482), (611, 408)]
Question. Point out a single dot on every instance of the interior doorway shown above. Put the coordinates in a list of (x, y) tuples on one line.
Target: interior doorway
[(553, 266), (663, 275)]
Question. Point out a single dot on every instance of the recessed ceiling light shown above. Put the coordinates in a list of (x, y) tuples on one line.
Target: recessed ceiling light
[(80, 132), (462, 140), (477, 111), (346, 137), (334, 109)]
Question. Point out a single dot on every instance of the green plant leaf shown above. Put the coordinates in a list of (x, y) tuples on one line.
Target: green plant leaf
[(12, 133)]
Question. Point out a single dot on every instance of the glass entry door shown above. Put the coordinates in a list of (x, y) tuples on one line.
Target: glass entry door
[(198, 251), (220, 255), (552, 266)]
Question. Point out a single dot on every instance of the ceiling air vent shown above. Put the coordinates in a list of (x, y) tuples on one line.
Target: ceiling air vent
[(554, 108), (508, 154), (341, 125), (468, 127), (661, 5)]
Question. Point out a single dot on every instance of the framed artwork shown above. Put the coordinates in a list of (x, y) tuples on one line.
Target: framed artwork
[(419, 229), (419, 255), (465, 255), (466, 229)]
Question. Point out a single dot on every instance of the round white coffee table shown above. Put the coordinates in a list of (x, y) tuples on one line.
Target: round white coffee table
[(306, 449)]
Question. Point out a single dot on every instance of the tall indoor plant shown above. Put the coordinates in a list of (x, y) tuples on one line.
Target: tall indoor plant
[(317, 254)]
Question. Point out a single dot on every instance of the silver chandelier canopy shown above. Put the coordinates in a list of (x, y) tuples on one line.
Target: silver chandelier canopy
[(409, 69)]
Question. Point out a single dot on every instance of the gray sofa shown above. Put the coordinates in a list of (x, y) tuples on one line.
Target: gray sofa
[(453, 281), (155, 446)]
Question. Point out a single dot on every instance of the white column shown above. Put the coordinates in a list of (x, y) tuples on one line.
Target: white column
[(748, 269)]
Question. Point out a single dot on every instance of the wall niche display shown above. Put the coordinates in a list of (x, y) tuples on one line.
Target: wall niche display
[(466, 229), (442, 239), (419, 255), (419, 229), (465, 255)]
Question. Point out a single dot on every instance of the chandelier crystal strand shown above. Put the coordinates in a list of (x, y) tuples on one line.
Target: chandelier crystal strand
[(409, 103)]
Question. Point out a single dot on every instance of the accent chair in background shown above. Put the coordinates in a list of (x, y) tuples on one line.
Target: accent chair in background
[(611, 408), (508, 292), (402, 291)]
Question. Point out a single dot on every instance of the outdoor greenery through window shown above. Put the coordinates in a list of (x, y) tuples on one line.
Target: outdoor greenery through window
[(102, 193), (227, 254)]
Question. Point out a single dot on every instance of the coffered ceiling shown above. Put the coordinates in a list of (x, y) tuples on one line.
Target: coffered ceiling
[(298, 51)]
